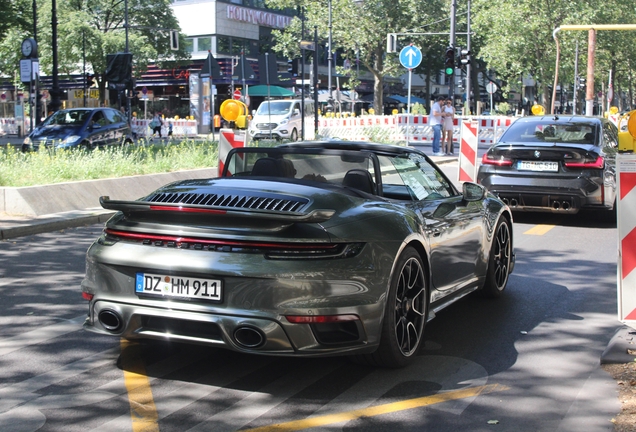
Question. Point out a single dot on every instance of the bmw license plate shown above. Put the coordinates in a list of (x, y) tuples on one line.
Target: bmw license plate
[(538, 166), (178, 286)]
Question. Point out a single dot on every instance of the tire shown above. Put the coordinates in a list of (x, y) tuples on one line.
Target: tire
[(294, 135), (85, 145), (405, 314), (499, 260)]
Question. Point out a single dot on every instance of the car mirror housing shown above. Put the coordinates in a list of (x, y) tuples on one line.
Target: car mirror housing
[(473, 191)]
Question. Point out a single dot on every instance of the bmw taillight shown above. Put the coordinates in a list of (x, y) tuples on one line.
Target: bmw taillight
[(587, 163), (490, 159)]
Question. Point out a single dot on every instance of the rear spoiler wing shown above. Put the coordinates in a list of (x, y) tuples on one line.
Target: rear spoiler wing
[(315, 216)]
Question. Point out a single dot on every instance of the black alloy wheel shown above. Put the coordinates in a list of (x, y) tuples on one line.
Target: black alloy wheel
[(499, 260), (405, 314)]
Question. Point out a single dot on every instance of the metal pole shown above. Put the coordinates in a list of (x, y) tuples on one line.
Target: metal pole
[(127, 50), (302, 74), (316, 83), (408, 111), (451, 84), (329, 51), (576, 77), (211, 95), (84, 64), (589, 94), (269, 101), (55, 91), (468, 67)]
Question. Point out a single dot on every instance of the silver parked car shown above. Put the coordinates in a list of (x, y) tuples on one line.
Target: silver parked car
[(306, 249)]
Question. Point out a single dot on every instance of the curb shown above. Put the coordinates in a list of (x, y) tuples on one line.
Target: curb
[(617, 350), (55, 222)]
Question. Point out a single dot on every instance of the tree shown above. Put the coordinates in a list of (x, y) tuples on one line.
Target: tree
[(13, 16), (360, 27), (516, 39), (99, 26)]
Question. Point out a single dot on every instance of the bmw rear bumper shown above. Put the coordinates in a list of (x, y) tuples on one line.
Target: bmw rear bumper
[(546, 194)]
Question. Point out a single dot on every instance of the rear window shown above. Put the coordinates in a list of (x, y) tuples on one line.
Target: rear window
[(579, 133)]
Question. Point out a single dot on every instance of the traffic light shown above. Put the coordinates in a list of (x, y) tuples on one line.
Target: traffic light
[(449, 61), (580, 82), (174, 40), (391, 43), (292, 67), (89, 80), (464, 57)]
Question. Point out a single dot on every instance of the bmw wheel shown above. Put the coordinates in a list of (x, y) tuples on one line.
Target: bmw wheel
[(405, 315), (499, 260)]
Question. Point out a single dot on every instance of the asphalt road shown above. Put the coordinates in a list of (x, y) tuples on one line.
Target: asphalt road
[(526, 362)]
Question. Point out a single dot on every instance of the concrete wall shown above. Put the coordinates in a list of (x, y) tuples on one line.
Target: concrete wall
[(63, 197)]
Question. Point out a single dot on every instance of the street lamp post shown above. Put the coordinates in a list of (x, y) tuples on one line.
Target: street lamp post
[(56, 103), (127, 50), (330, 58)]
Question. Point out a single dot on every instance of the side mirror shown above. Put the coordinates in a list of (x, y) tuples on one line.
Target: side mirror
[(473, 191)]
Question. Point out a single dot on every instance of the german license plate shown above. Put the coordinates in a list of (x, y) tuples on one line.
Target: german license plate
[(178, 286), (538, 166)]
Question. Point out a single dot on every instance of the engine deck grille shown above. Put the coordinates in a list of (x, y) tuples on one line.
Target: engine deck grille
[(287, 204)]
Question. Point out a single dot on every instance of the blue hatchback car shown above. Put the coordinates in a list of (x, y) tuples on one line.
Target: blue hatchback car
[(81, 127)]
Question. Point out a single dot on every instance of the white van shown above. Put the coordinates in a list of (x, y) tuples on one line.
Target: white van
[(279, 119)]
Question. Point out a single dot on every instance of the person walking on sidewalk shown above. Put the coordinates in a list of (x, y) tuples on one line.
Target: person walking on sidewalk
[(156, 124), (447, 134), (435, 120)]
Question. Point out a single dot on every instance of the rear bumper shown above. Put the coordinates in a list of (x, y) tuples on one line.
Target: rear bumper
[(244, 333), (265, 134), (548, 194)]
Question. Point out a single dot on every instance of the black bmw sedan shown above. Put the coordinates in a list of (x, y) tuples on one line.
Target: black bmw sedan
[(554, 164)]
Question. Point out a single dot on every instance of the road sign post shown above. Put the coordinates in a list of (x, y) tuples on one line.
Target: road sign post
[(410, 58)]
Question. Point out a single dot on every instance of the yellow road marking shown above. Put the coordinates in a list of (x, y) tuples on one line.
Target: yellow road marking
[(142, 406), (381, 409), (539, 229)]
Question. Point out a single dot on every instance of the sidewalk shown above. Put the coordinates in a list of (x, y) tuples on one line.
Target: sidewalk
[(13, 226)]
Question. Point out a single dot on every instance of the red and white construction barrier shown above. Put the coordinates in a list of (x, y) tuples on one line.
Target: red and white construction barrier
[(228, 139), (180, 128), (626, 223), (468, 151), (412, 128)]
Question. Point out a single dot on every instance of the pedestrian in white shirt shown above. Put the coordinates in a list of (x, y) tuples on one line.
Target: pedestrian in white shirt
[(435, 120)]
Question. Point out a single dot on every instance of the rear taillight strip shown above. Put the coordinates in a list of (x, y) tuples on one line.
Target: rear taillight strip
[(177, 240), (486, 160), (599, 163)]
